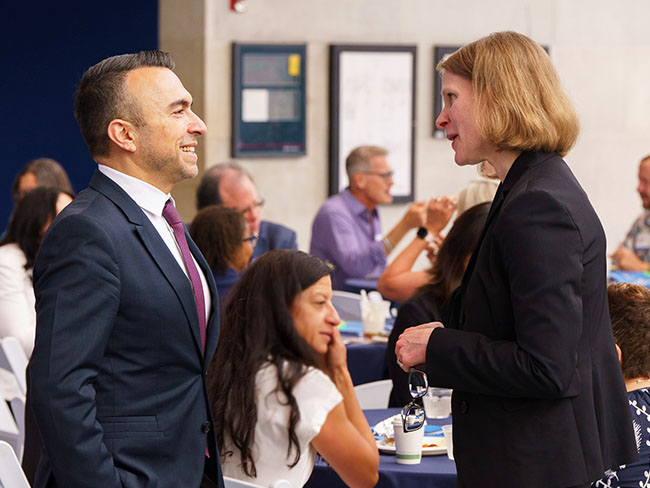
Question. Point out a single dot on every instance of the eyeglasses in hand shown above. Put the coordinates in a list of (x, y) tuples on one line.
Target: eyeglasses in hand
[(413, 416)]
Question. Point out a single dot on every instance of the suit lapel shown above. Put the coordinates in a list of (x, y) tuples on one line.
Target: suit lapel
[(156, 248)]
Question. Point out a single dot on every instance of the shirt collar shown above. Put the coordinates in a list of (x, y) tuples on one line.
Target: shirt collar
[(147, 196), (355, 205)]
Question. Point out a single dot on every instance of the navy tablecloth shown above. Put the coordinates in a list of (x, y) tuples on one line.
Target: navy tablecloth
[(432, 472), (367, 362)]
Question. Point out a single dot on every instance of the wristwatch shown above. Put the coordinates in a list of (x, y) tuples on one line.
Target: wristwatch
[(422, 232)]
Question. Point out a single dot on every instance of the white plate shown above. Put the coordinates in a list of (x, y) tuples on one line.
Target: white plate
[(385, 428)]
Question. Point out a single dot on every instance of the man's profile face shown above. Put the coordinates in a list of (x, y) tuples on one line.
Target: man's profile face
[(644, 183), (167, 141), (377, 181), (239, 192)]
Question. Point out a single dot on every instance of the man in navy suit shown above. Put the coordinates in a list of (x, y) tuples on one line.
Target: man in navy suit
[(127, 310), (229, 184)]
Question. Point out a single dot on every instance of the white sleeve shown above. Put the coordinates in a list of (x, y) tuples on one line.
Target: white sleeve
[(316, 396)]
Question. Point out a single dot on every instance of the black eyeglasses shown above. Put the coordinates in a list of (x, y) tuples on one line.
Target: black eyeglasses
[(413, 415), (386, 175), (253, 206), (251, 238)]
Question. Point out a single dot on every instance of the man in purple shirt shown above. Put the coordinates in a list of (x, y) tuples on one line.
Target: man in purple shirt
[(347, 228)]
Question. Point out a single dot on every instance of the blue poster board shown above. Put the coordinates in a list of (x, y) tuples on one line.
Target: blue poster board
[(268, 94)]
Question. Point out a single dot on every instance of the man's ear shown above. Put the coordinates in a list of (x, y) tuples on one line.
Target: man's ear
[(619, 354), (359, 181), (122, 133)]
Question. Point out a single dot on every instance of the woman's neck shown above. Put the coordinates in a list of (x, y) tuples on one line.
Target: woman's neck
[(502, 161), (637, 383)]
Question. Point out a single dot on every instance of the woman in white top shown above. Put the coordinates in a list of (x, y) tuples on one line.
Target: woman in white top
[(279, 385), (31, 218)]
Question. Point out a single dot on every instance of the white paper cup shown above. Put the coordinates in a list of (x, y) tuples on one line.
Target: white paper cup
[(374, 317), (449, 440), (437, 403), (408, 445)]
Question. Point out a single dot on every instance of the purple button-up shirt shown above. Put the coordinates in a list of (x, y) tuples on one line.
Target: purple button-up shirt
[(349, 236)]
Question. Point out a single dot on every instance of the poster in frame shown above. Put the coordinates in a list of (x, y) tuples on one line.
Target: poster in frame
[(372, 102)]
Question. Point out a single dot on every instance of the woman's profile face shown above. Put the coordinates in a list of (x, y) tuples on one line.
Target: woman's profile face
[(314, 315), (457, 120), (244, 252)]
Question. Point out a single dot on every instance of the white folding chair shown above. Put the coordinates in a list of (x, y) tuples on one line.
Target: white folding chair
[(374, 394), (17, 405), (348, 305), (8, 429), (233, 483), (11, 474), (12, 357)]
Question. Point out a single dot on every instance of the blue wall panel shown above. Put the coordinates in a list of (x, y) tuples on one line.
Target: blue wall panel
[(44, 49)]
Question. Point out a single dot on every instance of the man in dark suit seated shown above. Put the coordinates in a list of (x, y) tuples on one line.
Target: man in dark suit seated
[(127, 312), (229, 184)]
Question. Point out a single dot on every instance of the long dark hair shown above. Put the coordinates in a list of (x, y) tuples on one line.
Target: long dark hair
[(48, 172), (449, 266), (218, 232), (258, 329), (32, 214)]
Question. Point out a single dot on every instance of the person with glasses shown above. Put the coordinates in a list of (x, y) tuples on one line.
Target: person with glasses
[(347, 229), (230, 185), (279, 384), (226, 242), (527, 346)]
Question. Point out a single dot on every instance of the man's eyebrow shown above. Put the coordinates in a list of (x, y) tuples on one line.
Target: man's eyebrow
[(182, 102)]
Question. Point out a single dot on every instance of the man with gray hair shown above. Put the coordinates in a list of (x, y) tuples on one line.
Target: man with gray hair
[(230, 185), (347, 228)]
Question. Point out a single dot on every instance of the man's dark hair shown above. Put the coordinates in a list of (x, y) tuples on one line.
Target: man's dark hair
[(629, 309), (208, 191), (102, 96)]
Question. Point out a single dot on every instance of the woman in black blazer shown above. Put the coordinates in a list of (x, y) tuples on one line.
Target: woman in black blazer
[(527, 346)]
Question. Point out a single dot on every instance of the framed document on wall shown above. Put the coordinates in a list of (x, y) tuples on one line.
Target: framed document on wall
[(268, 100), (372, 102), (439, 53)]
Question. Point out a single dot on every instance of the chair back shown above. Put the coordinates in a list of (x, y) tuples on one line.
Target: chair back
[(348, 305), (374, 395), (17, 405), (8, 429), (13, 358), (235, 483), (11, 474)]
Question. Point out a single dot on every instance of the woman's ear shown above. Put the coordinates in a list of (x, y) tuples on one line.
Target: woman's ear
[(619, 354)]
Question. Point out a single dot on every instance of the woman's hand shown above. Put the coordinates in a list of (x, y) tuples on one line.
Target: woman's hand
[(337, 356), (411, 347), (439, 211)]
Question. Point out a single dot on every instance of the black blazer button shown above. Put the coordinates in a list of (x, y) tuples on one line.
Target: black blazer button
[(206, 426), (463, 406)]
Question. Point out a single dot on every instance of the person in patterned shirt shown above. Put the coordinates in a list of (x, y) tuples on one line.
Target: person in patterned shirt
[(634, 253), (629, 308)]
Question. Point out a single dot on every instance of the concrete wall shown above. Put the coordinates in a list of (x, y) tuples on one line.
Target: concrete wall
[(600, 48)]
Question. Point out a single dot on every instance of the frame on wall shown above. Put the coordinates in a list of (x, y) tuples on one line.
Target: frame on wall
[(439, 53), (372, 102), (268, 97)]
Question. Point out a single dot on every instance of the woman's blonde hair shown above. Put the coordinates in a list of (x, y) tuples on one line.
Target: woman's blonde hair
[(519, 102)]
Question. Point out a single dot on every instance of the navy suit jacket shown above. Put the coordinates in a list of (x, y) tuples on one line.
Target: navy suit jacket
[(274, 236), (117, 374), (539, 398)]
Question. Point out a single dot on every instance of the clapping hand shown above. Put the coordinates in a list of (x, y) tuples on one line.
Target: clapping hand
[(439, 211)]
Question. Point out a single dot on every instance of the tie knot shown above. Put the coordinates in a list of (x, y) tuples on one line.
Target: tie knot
[(170, 214)]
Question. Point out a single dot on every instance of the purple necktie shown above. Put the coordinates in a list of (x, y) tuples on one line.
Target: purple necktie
[(174, 220)]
